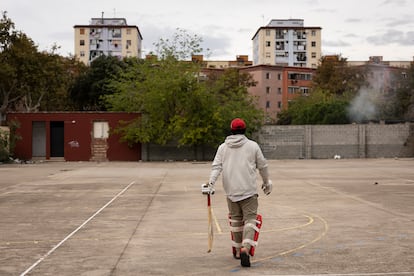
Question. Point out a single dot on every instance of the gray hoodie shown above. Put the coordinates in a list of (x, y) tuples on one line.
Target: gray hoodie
[(239, 158)]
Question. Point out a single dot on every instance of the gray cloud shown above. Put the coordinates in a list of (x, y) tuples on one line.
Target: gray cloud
[(213, 44), (351, 35), (218, 46), (336, 43), (402, 21), (353, 20), (394, 2), (324, 10), (392, 37)]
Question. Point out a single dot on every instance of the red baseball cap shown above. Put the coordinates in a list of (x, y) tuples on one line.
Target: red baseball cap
[(237, 124)]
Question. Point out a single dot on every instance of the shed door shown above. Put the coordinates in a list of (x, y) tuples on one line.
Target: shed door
[(57, 141), (39, 139)]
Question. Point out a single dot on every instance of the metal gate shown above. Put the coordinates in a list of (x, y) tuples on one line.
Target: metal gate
[(39, 139)]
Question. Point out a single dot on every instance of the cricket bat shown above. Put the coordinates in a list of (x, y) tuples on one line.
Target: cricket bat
[(210, 224)]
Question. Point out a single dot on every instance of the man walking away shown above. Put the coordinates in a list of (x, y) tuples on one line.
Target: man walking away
[(238, 159)]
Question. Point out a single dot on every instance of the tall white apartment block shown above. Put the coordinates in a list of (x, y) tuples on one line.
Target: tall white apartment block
[(287, 42), (107, 36)]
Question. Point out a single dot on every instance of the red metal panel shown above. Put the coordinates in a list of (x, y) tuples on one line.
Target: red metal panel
[(120, 151), (78, 127), (23, 148), (78, 137)]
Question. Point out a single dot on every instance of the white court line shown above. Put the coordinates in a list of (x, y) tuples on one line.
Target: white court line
[(76, 230)]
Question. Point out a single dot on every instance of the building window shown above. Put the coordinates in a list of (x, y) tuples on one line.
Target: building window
[(313, 55), (267, 104), (128, 31), (82, 31), (299, 76), (301, 57), (267, 32), (268, 54), (313, 33), (279, 104), (267, 89), (128, 43), (280, 45), (280, 34), (267, 43), (82, 53), (293, 89), (267, 75), (279, 76), (313, 43), (279, 90), (116, 33), (82, 42), (292, 76), (116, 43), (100, 130)]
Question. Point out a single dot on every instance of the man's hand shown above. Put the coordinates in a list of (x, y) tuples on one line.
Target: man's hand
[(207, 189), (267, 187)]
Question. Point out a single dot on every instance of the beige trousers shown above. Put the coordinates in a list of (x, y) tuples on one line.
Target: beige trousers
[(243, 215)]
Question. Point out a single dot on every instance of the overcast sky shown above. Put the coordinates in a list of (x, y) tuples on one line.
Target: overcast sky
[(356, 29)]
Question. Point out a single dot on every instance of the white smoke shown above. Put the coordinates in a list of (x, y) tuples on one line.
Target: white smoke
[(363, 107), (372, 100)]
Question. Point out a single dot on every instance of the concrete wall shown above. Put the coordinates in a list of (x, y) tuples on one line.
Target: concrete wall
[(326, 141), (151, 152), (309, 142)]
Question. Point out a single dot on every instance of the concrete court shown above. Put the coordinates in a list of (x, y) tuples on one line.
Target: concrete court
[(324, 217)]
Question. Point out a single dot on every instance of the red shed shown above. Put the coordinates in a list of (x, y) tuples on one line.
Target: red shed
[(73, 136)]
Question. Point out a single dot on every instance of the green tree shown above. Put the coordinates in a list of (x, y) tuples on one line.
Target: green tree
[(318, 108), (8, 141), (176, 103), (333, 86), (30, 80), (47, 82), (61, 73), (334, 77), (92, 83), (233, 100), (181, 46), (9, 84), (405, 95)]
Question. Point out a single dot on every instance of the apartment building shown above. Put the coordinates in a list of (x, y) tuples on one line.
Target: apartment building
[(287, 42), (240, 61), (276, 86), (107, 36), (379, 60)]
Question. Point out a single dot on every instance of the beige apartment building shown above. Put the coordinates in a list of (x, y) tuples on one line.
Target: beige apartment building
[(107, 36), (287, 42)]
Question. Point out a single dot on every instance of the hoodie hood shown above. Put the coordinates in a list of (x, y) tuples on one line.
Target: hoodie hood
[(235, 141)]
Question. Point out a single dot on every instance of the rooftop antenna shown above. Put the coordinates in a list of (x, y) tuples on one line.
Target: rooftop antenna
[(102, 18)]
